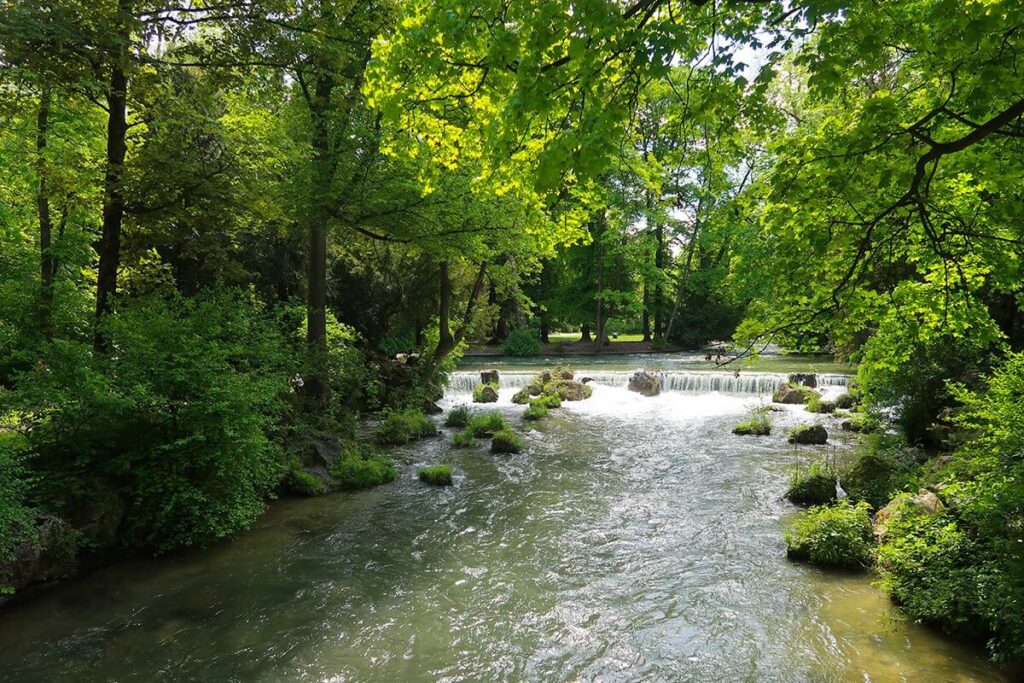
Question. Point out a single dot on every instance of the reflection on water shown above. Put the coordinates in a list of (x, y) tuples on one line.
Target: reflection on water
[(633, 539)]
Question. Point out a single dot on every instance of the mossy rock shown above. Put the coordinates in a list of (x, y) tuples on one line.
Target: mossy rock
[(303, 483), (808, 435), (793, 394), (814, 486), (845, 401), (485, 393), (535, 387), (398, 428), (906, 506), (816, 405), (568, 390), (876, 476), (551, 401), (506, 441), (862, 423), (437, 475), (521, 397), (754, 427)]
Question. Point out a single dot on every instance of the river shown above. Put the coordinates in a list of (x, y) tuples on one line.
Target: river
[(634, 539)]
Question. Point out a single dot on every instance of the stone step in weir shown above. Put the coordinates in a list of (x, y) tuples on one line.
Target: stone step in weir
[(463, 381)]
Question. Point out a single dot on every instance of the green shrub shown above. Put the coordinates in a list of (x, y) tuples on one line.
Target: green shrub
[(437, 475), (885, 468), (522, 342), (457, 417), (550, 401), (866, 423), (815, 404), (832, 536), (535, 412), (303, 483), (485, 425), (506, 441), (362, 468), (463, 439), (181, 418), (815, 485), (16, 517), (485, 393), (398, 428), (568, 390)]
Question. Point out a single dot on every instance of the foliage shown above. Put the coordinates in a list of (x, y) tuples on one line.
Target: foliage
[(484, 425), (16, 516), (437, 475), (549, 401), (400, 427), (815, 485), (832, 536), (463, 439), (757, 425), (816, 405), (485, 393), (535, 412), (457, 417), (506, 441), (884, 469), (303, 483), (362, 468), (522, 342)]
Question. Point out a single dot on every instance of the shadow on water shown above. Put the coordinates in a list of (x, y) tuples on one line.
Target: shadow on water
[(633, 539)]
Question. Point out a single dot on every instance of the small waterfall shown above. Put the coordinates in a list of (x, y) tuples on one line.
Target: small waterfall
[(463, 381)]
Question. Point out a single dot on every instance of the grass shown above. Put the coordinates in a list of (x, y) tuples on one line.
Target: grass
[(398, 428), (359, 470), (815, 485), (463, 439), (486, 424), (535, 412), (437, 475), (506, 441), (571, 337), (757, 425), (457, 417), (836, 536)]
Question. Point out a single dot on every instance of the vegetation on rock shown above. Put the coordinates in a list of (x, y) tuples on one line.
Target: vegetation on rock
[(506, 441), (436, 475), (832, 536), (815, 485)]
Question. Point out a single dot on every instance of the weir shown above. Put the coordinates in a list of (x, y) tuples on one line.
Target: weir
[(463, 381)]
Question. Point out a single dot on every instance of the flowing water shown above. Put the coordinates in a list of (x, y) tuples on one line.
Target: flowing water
[(634, 539)]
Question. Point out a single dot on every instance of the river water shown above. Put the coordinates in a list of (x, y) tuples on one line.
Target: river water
[(634, 539)]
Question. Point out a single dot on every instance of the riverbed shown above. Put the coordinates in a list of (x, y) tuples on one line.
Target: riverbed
[(633, 539)]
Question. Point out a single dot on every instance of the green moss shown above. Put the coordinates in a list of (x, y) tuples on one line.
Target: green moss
[(485, 393), (506, 441), (522, 396), (535, 412), (457, 417), (463, 439), (815, 485), (486, 424), (399, 428), (359, 470), (815, 404), (784, 394), (303, 483), (567, 389), (832, 536), (437, 475)]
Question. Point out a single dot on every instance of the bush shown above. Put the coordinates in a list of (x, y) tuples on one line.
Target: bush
[(757, 425), (485, 393), (16, 517), (535, 412), (506, 441), (836, 536), (437, 475), (398, 428), (457, 417), (303, 483), (463, 439), (362, 468), (522, 342), (550, 401), (885, 468), (179, 418), (486, 424), (814, 486), (816, 405)]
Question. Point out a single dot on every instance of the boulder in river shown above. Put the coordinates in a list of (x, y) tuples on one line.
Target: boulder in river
[(924, 502), (645, 383), (807, 379), (489, 377), (485, 393), (808, 434), (568, 390), (793, 394), (51, 553)]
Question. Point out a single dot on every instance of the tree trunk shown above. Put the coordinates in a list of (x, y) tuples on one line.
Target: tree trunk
[(585, 334), (447, 341), (113, 190), (46, 262), (544, 331), (647, 314), (659, 266), (683, 277), (317, 385)]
